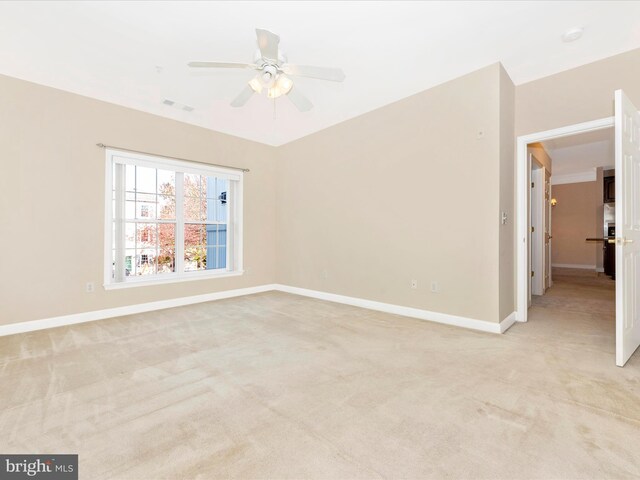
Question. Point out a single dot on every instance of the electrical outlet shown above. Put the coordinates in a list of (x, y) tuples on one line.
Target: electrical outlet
[(435, 287), (414, 284), (90, 287)]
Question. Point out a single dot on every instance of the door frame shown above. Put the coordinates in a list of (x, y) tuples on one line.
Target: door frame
[(522, 191)]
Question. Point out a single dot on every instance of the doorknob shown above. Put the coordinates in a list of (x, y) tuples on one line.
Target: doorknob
[(620, 240)]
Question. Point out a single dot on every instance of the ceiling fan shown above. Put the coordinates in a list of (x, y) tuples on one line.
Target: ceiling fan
[(273, 73)]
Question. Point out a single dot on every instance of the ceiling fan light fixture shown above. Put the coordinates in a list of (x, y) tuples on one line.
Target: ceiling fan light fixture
[(273, 92), (285, 84), (282, 86), (255, 85)]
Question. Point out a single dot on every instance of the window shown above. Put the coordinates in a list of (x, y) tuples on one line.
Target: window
[(170, 220)]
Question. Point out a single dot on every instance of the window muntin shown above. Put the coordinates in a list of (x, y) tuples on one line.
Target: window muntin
[(170, 219)]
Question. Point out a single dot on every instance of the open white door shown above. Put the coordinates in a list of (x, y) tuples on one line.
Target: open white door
[(627, 135)]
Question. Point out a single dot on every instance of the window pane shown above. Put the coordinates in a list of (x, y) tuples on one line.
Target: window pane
[(166, 182), (216, 246), (215, 210), (130, 262), (192, 208), (145, 180), (195, 252), (146, 237), (146, 210), (129, 210), (146, 205), (166, 207), (191, 185), (167, 248), (130, 235), (216, 195), (146, 261), (129, 178), (213, 187), (208, 186)]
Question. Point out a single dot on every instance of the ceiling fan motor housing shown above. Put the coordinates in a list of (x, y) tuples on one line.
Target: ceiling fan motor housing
[(268, 75), (258, 59)]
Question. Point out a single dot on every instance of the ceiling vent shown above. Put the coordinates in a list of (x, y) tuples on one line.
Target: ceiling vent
[(178, 105)]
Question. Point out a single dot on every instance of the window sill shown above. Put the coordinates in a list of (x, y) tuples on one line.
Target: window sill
[(189, 277)]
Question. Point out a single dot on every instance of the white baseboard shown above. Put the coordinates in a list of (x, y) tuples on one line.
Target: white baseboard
[(83, 317), (573, 265), (437, 317), (507, 322), (600, 270), (445, 318)]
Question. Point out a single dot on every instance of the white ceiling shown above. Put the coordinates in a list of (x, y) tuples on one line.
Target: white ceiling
[(581, 153), (388, 50)]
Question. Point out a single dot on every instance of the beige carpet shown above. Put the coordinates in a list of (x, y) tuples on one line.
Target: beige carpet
[(280, 386)]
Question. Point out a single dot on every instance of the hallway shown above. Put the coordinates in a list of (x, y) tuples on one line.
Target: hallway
[(578, 310)]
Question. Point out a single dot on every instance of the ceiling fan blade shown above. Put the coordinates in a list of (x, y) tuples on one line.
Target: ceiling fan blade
[(241, 99), (301, 102), (268, 44), (219, 65), (322, 73)]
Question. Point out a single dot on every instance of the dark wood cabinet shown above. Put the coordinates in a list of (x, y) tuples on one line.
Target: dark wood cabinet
[(609, 259), (609, 190)]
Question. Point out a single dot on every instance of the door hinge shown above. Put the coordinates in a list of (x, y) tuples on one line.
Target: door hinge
[(533, 229), (533, 185), (532, 273)]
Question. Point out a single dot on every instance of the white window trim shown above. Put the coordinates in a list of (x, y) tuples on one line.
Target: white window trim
[(172, 278), (235, 220)]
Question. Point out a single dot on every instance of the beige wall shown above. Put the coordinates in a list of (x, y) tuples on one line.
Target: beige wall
[(573, 220), (507, 245), (577, 95), (405, 192), (52, 187)]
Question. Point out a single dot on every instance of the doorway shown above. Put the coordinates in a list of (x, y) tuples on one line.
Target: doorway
[(529, 161), (571, 296), (626, 123)]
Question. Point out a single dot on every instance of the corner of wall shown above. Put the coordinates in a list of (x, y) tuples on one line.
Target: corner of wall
[(507, 247)]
